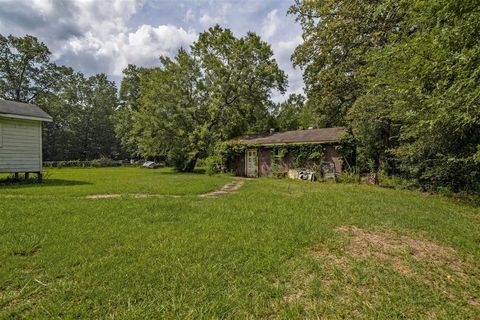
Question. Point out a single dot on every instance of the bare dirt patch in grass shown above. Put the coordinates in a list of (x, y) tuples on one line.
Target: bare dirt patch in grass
[(103, 196), (226, 189), (434, 264), (399, 249), (369, 268), (134, 195), (148, 195)]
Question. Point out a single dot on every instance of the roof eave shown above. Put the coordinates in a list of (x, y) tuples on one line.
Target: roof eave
[(260, 144), (16, 116)]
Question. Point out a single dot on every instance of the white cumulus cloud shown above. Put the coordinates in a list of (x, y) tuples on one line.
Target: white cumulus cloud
[(217, 16), (102, 41), (103, 36), (270, 24), (147, 43)]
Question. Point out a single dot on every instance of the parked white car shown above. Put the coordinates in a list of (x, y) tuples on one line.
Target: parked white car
[(151, 165)]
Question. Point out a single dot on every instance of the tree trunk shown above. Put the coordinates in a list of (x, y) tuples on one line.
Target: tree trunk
[(376, 167), (190, 166)]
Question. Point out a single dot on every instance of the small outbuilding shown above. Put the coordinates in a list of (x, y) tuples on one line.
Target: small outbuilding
[(280, 153), (21, 137)]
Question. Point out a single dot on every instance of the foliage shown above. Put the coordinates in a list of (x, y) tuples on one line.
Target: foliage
[(96, 163), (82, 109), (218, 91), (128, 105), (347, 147), (168, 110), (302, 155), (289, 114), (432, 86), (403, 75), (337, 36), (82, 112), (228, 151), (214, 164), (25, 69)]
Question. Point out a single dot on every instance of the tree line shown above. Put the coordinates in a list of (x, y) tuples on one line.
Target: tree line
[(401, 75), (82, 108), (219, 89)]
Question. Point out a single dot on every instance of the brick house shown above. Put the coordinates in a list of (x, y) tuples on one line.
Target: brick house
[(260, 151)]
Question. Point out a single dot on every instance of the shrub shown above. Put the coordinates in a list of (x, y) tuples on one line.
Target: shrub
[(348, 177), (102, 162), (213, 165)]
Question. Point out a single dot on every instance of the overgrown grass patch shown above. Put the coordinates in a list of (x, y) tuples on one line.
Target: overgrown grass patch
[(274, 248)]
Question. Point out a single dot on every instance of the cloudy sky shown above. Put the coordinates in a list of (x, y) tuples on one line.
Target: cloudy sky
[(94, 36)]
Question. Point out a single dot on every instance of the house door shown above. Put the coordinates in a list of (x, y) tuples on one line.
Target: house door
[(252, 163)]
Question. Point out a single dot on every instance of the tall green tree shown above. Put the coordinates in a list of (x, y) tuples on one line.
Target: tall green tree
[(129, 104), (82, 127), (59, 136), (337, 36), (172, 108), (25, 68), (98, 139), (290, 114), (220, 90), (426, 84), (82, 109), (404, 75)]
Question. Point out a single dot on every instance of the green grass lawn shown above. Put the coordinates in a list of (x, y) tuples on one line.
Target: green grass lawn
[(272, 249)]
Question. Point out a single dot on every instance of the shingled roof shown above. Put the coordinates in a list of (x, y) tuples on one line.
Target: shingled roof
[(20, 110), (323, 135)]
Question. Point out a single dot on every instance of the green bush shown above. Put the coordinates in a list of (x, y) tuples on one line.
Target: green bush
[(97, 163), (348, 177), (213, 165)]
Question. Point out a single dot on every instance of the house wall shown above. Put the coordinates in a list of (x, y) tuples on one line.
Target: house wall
[(332, 155), (265, 161), (239, 166), (20, 145)]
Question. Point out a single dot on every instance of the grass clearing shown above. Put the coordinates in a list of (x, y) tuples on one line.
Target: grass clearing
[(271, 249)]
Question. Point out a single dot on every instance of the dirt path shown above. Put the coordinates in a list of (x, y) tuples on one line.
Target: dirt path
[(133, 195), (226, 189)]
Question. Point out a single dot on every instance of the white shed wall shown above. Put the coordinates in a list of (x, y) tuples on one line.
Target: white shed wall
[(20, 145)]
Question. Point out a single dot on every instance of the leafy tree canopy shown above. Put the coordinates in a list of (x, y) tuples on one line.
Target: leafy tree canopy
[(220, 90), (25, 68), (404, 75)]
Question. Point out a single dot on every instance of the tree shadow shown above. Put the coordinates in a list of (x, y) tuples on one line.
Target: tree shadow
[(6, 183), (173, 172)]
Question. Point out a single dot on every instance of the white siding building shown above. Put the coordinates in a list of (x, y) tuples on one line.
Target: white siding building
[(21, 137)]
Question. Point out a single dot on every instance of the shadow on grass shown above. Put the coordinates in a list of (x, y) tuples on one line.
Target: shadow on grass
[(173, 172), (5, 183)]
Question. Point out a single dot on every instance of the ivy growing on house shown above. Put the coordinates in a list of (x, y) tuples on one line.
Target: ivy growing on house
[(226, 153), (302, 155), (299, 153), (347, 147)]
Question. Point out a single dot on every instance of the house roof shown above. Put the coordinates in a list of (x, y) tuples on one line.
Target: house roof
[(323, 135), (21, 110)]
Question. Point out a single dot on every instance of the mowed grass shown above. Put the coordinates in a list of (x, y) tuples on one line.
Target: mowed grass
[(91, 181), (272, 249)]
